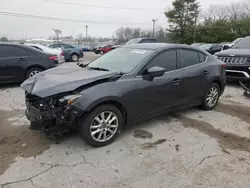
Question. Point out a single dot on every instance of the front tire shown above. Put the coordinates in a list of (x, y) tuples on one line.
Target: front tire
[(211, 97), (101, 126)]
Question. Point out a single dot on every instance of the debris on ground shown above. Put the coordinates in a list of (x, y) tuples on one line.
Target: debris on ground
[(149, 145), (142, 134), (177, 147)]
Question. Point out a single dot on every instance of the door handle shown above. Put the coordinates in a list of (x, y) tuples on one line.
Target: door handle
[(21, 59), (176, 81), (205, 73)]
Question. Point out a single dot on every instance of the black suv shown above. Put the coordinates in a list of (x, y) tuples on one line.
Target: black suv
[(237, 59), (126, 85)]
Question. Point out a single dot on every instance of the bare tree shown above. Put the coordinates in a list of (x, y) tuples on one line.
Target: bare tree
[(57, 32), (79, 38), (236, 10), (216, 12), (124, 34)]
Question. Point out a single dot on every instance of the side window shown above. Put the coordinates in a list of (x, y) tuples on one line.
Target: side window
[(166, 59), (12, 51), (66, 46), (190, 57), (203, 57), (148, 41)]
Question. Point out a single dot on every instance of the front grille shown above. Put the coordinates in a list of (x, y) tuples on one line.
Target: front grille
[(32, 99), (38, 102), (233, 60)]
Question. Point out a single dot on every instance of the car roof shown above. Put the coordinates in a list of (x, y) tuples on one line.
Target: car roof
[(17, 44), (157, 46), (144, 38)]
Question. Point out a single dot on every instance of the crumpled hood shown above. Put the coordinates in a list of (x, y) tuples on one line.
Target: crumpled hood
[(62, 79), (234, 52)]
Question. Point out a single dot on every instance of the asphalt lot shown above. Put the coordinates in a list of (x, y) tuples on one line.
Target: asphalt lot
[(191, 148)]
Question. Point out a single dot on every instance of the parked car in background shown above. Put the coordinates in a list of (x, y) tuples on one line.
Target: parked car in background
[(85, 48), (137, 41), (103, 49), (19, 62), (211, 48), (126, 85), (58, 52), (237, 59), (71, 52), (196, 44)]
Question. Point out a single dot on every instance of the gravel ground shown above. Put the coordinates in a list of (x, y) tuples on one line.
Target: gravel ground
[(191, 148)]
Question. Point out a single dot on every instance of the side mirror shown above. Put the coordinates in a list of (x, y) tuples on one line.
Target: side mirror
[(156, 72), (226, 47)]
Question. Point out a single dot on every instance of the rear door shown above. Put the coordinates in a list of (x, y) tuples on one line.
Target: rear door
[(13, 61), (194, 75)]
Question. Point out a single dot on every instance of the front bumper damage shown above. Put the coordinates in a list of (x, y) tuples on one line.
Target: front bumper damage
[(50, 114)]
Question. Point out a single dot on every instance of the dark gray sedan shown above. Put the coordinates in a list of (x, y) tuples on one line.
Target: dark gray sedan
[(19, 62), (128, 84)]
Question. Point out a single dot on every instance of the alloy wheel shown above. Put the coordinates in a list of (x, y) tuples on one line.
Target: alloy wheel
[(104, 126), (74, 58), (33, 73), (212, 96)]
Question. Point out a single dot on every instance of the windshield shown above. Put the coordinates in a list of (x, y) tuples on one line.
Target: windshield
[(206, 46), (121, 60), (244, 43), (133, 41)]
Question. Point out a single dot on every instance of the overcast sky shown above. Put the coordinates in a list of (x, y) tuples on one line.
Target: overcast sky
[(106, 20)]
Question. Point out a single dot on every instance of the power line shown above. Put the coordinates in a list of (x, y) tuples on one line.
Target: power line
[(66, 19), (99, 6)]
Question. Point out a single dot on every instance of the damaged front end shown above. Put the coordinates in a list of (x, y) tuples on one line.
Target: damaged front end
[(53, 114)]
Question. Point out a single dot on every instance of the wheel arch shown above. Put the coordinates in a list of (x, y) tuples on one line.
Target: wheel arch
[(220, 84), (114, 102), (32, 67)]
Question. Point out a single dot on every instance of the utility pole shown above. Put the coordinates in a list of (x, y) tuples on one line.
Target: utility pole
[(154, 20), (86, 26)]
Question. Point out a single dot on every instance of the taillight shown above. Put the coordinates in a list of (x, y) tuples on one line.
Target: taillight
[(61, 54), (224, 65), (53, 58)]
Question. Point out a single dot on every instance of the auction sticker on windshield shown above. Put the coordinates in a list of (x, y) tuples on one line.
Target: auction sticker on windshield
[(139, 51)]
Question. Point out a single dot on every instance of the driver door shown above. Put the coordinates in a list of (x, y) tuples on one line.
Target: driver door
[(162, 93)]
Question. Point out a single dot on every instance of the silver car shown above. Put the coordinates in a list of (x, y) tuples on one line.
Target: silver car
[(58, 52)]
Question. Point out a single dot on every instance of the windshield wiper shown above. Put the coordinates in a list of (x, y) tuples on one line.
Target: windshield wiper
[(97, 68)]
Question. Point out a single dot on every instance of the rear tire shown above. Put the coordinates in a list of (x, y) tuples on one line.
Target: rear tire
[(32, 72), (101, 126), (211, 97), (74, 57)]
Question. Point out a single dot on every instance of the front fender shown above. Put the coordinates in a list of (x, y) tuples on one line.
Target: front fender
[(86, 104)]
